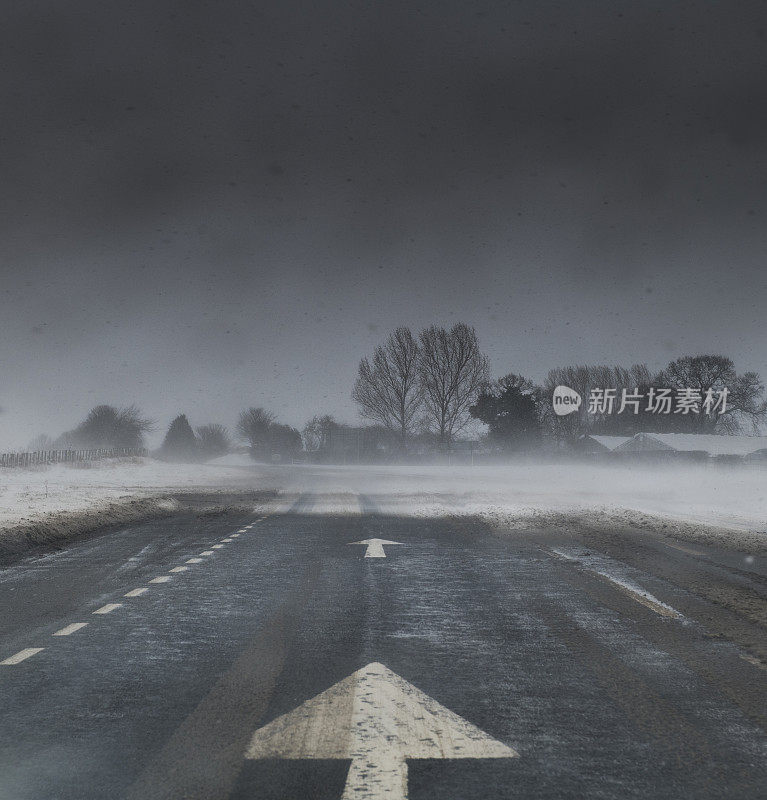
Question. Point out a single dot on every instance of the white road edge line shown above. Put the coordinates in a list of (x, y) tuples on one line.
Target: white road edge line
[(137, 592), (22, 655), (70, 629), (108, 608), (635, 592)]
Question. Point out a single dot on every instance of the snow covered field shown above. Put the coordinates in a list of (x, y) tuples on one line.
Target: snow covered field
[(28, 495), (732, 498), (509, 496)]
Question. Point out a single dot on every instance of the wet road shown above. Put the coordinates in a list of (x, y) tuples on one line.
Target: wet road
[(262, 655)]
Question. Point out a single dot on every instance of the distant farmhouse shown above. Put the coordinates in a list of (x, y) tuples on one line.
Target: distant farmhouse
[(599, 445), (689, 446)]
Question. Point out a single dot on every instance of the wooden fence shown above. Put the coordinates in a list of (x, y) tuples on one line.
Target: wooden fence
[(66, 456)]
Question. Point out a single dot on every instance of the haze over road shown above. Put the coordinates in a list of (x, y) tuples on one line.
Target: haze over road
[(256, 654)]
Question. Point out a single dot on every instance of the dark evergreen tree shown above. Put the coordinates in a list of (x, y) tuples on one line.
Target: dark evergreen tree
[(180, 443), (510, 410)]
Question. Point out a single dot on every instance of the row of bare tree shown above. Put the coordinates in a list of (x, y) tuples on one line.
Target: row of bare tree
[(440, 379), (108, 427), (433, 378)]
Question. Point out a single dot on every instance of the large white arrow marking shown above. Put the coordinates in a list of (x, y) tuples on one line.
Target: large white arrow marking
[(375, 547), (377, 719)]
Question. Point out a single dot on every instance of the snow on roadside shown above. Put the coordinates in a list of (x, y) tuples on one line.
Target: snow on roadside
[(231, 460), (687, 500), (728, 497), (27, 496)]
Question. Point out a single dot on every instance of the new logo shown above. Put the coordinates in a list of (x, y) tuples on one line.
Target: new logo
[(565, 401)]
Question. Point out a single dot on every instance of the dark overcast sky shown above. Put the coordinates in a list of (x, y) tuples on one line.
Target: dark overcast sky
[(211, 205)]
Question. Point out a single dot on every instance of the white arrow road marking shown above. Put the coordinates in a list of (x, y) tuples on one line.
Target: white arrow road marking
[(378, 720), (22, 655), (375, 547)]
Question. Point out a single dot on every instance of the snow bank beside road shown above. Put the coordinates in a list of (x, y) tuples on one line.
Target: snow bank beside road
[(232, 460), (25, 495), (38, 507)]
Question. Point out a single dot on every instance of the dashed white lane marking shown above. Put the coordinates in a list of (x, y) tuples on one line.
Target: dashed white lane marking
[(22, 655), (195, 560), (635, 592), (137, 592), (217, 546), (236, 536), (178, 569), (108, 608), (242, 530), (160, 579), (70, 629), (206, 553), (227, 540), (755, 661)]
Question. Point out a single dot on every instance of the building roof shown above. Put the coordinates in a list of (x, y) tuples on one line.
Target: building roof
[(713, 444), (609, 442)]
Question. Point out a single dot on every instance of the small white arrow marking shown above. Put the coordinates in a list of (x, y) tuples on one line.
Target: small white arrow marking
[(375, 547), (378, 720)]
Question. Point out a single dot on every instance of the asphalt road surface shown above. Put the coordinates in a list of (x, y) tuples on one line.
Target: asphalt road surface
[(262, 654)]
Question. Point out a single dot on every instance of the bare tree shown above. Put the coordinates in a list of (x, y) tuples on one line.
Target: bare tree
[(108, 427), (214, 440), (253, 426), (317, 434), (452, 370), (582, 378), (41, 442), (388, 390), (745, 403)]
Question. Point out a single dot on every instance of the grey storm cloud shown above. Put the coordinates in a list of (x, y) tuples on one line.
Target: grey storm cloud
[(223, 183)]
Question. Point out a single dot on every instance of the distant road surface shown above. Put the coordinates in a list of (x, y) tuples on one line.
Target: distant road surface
[(289, 652)]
